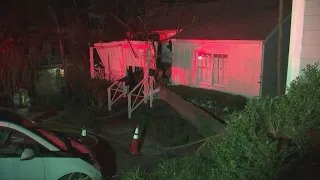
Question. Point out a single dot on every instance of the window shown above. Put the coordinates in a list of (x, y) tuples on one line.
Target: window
[(12, 142), (204, 68), (55, 48), (220, 72), (212, 69), (26, 51)]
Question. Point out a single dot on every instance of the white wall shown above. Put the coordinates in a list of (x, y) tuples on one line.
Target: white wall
[(244, 65), (305, 36)]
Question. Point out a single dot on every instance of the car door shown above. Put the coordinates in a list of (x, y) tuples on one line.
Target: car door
[(5, 158), (26, 169)]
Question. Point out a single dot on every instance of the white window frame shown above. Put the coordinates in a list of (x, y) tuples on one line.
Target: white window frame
[(205, 64), (220, 73)]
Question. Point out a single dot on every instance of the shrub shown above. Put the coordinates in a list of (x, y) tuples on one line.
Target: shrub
[(135, 174), (246, 151), (97, 89), (267, 134)]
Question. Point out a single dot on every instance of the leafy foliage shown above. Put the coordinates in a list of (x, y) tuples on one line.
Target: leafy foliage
[(259, 140)]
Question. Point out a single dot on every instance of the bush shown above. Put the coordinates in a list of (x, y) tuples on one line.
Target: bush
[(259, 140), (220, 99), (246, 150), (93, 92)]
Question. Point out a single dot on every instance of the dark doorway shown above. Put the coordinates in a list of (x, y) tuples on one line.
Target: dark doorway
[(135, 76)]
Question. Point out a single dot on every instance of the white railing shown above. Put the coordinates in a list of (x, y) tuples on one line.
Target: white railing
[(112, 75), (99, 73), (147, 84), (120, 88)]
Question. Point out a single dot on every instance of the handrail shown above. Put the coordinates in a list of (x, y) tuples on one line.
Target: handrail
[(113, 84), (133, 106), (99, 73), (112, 100), (135, 88), (148, 94)]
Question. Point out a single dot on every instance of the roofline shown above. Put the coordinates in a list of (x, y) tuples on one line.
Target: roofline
[(275, 29), (220, 41), (116, 43)]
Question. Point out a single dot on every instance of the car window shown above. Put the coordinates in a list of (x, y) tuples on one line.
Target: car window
[(4, 134), (15, 142)]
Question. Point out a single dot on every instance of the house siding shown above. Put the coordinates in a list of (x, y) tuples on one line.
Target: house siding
[(269, 72), (244, 65), (305, 35), (310, 52)]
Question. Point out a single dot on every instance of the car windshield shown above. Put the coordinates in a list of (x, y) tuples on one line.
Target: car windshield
[(55, 138), (12, 117)]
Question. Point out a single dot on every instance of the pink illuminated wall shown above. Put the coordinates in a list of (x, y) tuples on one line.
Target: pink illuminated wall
[(239, 73)]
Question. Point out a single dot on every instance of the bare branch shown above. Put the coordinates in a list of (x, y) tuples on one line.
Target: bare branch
[(75, 3), (2, 34), (55, 18), (119, 20), (200, 22), (60, 41)]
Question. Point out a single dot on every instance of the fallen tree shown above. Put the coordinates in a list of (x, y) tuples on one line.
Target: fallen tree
[(203, 121)]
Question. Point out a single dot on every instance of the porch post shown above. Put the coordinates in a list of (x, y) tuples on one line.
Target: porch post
[(146, 84), (297, 21), (91, 62)]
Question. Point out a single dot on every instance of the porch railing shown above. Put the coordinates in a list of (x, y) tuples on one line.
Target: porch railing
[(147, 85), (99, 73), (119, 89)]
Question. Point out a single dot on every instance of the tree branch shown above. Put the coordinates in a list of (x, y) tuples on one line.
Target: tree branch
[(179, 30), (60, 40), (119, 20), (75, 3)]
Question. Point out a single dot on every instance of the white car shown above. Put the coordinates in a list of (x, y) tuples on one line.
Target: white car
[(28, 151)]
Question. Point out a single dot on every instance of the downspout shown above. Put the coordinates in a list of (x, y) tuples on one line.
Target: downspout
[(261, 71)]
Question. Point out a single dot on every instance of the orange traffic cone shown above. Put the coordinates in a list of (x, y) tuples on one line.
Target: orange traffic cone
[(134, 147)]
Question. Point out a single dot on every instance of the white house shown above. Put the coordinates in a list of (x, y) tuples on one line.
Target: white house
[(305, 36), (234, 53)]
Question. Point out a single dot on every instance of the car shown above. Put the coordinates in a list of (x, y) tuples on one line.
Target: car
[(29, 151)]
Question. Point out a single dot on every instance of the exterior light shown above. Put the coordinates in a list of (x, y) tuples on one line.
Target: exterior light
[(62, 72)]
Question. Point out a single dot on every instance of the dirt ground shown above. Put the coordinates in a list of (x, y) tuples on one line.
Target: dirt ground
[(164, 128)]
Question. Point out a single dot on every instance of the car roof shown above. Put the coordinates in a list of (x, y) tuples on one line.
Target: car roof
[(10, 116)]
